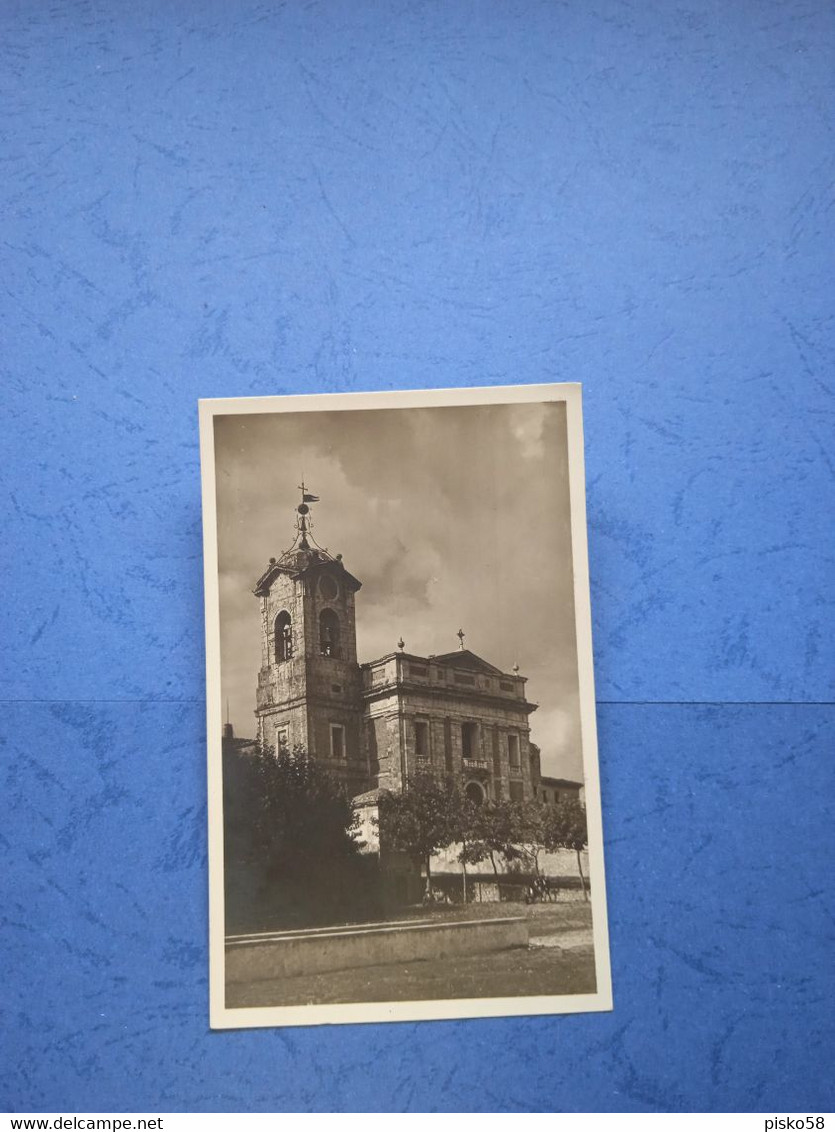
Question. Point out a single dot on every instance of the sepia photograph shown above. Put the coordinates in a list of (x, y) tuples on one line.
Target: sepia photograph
[(404, 803)]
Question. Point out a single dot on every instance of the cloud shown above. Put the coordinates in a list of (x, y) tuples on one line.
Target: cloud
[(449, 516), (529, 430)]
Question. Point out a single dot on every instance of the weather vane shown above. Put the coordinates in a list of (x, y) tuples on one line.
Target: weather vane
[(303, 523)]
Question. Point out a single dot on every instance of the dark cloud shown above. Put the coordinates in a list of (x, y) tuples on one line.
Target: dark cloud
[(449, 516)]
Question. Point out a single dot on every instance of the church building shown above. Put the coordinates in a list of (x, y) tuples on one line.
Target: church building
[(376, 724)]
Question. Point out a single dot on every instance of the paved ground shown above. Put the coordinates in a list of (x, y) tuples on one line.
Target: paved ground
[(560, 960)]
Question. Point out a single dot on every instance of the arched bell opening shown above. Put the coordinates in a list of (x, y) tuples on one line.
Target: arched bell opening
[(329, 644), (283, 636)]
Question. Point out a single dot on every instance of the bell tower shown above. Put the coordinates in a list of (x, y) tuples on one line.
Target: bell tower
[(309, 684)]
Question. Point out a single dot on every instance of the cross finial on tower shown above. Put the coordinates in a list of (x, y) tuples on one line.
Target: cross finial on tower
[(460, 635), (307, 496)]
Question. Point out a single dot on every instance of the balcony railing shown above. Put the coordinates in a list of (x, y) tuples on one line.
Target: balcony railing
[(475, 764)]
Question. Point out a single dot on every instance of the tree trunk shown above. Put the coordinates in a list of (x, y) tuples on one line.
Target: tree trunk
[(493, 863), (428, 875), (464, 875), (582, 878)]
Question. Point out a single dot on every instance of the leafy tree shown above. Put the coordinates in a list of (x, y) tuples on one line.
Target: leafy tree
[(422, 819), (528, 822), (495, 830), (302, 815), (565, 827), (468, 826), (289, 837)]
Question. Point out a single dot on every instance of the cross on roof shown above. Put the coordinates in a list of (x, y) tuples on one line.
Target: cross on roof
[(460, 635)]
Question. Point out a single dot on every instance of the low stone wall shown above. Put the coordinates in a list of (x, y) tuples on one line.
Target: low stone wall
[(509, 888), (562, 863), (280, 954)]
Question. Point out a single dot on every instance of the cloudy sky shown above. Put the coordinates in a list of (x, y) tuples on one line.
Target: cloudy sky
[(450, 517)]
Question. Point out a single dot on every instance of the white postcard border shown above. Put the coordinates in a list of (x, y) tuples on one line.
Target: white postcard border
[(241, 1018)]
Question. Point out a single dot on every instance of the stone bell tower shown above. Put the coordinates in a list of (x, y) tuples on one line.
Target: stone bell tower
[(309, 685)]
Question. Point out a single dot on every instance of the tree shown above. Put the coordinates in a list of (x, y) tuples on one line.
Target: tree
[(468, 829), (302, 818), (424, 818), (495, 828), (528, 821), (565, 828), (289, 837)]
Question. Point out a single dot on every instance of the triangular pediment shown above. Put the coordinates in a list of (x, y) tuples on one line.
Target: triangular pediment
[(463, 658)]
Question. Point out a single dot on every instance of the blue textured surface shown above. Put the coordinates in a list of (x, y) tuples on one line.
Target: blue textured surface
[(217, 199)]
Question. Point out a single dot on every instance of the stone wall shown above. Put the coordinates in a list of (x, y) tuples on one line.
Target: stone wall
[(563, 863), (309, 693), (284, 954), (445, 717), (383, 747)]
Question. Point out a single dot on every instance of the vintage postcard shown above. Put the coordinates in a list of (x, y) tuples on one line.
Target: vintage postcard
[(404, 801)]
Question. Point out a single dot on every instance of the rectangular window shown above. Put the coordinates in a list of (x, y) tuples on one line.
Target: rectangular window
[(469, 680), (337, 741), (448, 745), (418, 670), (497, 759), (516, 792), (513, 751), (422, 740), (469, 740), (282, 739), (505, 685)]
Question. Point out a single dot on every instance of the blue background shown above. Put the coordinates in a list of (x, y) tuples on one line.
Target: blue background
[(229, 198)]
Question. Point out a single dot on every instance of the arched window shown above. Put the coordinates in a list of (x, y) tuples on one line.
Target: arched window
[(283, 636), (329, 633), (475, 793)]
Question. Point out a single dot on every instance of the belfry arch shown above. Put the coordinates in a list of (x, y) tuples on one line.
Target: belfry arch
[(329, 644), (283, 636)]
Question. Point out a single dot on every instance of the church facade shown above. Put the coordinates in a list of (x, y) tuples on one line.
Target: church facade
[(376, 724), (453, 714)]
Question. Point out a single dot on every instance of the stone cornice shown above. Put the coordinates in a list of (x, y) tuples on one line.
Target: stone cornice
[(385, 691)]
